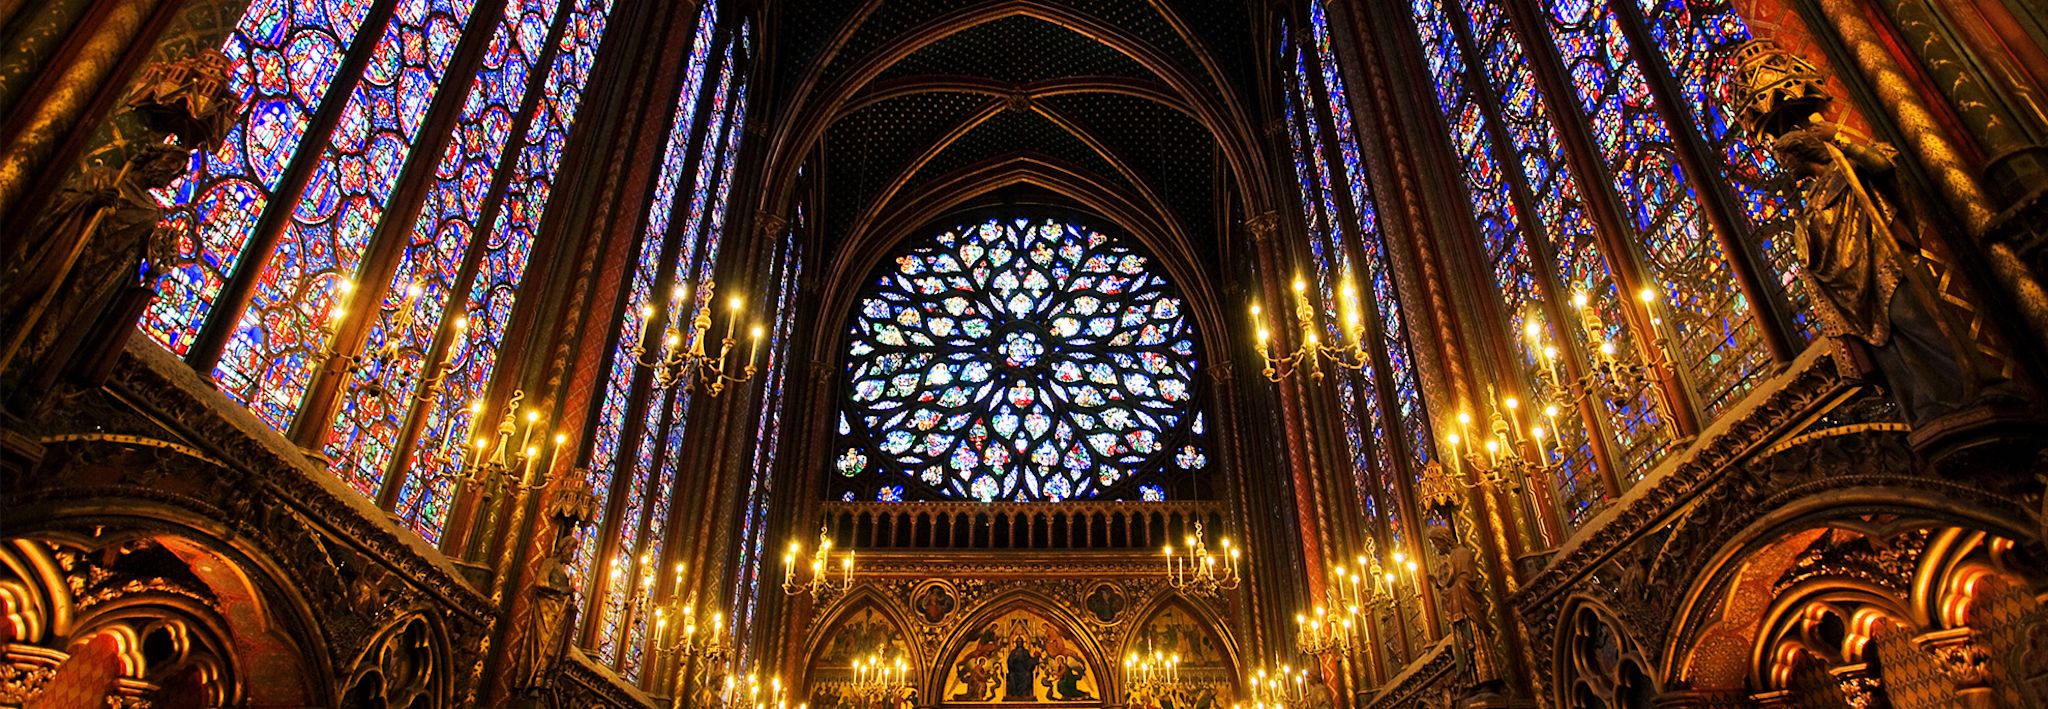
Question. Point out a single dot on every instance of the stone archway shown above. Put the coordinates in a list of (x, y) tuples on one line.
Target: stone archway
[(1021, 651), (862, 628)]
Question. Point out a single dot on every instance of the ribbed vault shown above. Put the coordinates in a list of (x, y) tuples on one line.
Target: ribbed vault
[(901, 111)]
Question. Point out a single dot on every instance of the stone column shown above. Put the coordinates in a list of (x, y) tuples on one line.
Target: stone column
[(73, 88), (2016, 164)]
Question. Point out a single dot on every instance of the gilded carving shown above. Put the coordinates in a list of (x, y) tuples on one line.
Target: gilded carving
[(1859, 239)]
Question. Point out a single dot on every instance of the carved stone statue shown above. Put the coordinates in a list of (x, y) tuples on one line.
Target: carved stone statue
[(542, 645), (553, 616), (1859, 242), (1459, 583), (99, 239)]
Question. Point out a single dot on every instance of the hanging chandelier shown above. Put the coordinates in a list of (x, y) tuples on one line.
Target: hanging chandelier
[(1195, 571)]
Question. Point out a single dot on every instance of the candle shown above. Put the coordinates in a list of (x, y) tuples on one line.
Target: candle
[(754, 351), (734, 318)]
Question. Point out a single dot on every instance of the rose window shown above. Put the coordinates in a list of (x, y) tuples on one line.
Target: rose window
[(1020, 360)]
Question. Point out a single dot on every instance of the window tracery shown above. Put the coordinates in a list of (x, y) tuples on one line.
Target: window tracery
[(1020, 360)]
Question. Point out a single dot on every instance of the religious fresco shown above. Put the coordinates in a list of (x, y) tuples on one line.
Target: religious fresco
[(861, 634), (1204, 664), (1020, 657)]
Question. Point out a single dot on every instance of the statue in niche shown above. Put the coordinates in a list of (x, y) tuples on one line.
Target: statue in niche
[(1859, 242), (1465, 607)]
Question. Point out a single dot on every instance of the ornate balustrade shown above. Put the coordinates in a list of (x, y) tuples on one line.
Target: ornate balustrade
[(1109, 526)]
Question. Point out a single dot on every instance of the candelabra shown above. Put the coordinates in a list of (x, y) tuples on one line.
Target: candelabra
[(681, 359), (881, 682), (1287, 688), (1312, 351), (493, 463), (821, 579), (1198, 572), (1609, 374), (1513, 447), (1320, 634), (381, 362), (693, 650), (1154, 680), (752, 693)]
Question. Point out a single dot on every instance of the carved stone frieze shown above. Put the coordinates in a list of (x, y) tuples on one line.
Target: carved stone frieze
[(1884, 563)]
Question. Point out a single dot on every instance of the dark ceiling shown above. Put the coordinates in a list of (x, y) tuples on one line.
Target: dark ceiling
[(890, 100)]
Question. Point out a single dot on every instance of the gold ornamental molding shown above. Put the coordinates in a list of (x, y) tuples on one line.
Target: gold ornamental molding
[(127, 440)]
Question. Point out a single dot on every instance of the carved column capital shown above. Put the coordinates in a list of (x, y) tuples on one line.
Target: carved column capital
[(1860, 685), (1263, 225), (1962, 659), (769, 224)]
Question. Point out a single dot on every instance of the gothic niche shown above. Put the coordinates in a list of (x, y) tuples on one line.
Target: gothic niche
[(864, 632), (1020, 656), (1205, 664)]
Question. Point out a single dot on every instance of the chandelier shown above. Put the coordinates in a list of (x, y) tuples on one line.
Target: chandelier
[(877, 681), (1287, 688), (676, 362), (1609, 374), (383, 361), (820, 578), (752, 693), (1312, 351), (1154, 680), (1197, 572), (494, 462)]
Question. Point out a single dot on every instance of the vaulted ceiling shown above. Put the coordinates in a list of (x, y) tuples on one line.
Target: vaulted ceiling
[(903, 111)]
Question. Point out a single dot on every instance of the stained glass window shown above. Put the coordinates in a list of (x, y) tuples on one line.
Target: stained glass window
[(1501, 227), (1694, 39), (679, 254), (285, 58), (1522, 152), (1019, 359), (1352, 262), (499, 267), (413, 305), (767, 434), (612, 424)]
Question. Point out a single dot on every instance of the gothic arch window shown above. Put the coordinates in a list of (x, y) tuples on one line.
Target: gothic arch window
[(1613, 206), (1020, 359), (292, 250), (639, 426)]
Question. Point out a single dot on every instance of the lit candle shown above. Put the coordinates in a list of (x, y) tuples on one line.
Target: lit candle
[(455, 344), (754, 350), (735, 303)]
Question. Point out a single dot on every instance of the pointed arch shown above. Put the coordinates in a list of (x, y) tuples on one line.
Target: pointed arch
[(1002, 624), (826, 653), (1168, 625)]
